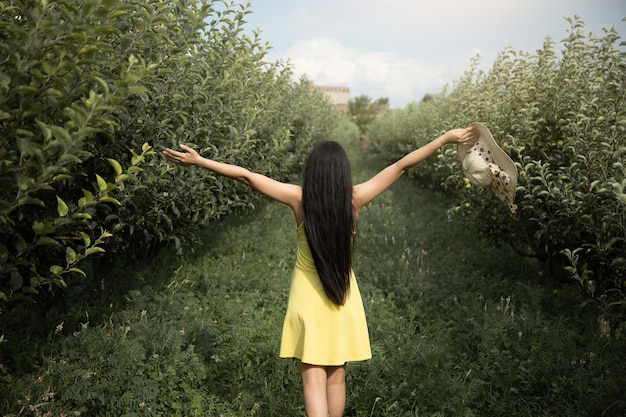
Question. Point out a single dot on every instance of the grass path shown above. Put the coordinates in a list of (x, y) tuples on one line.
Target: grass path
[(428, 283), (457, 326)]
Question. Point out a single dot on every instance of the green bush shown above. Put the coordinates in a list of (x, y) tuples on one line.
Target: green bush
[(93, 91), (457, 327), (561, 117)]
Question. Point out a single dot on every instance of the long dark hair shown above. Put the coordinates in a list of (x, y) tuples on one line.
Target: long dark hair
[(329, 216)]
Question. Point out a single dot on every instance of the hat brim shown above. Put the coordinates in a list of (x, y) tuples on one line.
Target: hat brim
[(496, 159), (500, 157)]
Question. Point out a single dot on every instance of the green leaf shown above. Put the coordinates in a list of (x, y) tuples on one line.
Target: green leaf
[(16, 281), (61, 134), (56, 269), (70, 255), (105, 234), (86, 200), (102, 83), (94, 249), (78, 271), (61, 177), (45, 130), (46, 240), (42, 228), (86, 238), (116, 166), (135, 159), (107, 199), (102, 184), (62, 208), (137, 89), (121, 178), (30, 200)]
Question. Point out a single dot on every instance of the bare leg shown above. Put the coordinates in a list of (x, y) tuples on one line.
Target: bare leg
[(314, 389), (324, 390), (336, 390)]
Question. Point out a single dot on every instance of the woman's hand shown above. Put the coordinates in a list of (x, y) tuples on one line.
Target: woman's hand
[(188, 157), (467, 136)]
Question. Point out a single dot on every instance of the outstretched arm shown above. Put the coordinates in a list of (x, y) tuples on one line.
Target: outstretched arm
[(369, 190), (285, 193)]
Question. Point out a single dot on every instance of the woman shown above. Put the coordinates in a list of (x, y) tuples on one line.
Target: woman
[(325, 325)]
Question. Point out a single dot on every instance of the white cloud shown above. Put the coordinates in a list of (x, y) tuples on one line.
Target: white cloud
[(403, 49), (326, 61)]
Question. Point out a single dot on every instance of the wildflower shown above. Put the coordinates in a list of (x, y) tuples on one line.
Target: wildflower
[(142, 404), (59, 328), (186, 308), (182, 331)]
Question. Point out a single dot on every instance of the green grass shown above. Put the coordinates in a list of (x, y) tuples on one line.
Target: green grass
[(457, 326)]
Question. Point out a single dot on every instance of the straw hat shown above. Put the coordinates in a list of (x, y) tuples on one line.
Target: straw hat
[(486, 165)]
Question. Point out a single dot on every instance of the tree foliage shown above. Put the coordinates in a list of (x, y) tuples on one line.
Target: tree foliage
[(91, 91), (562, 118), (363, 111)]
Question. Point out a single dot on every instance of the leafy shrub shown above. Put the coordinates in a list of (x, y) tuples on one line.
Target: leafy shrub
[(561, 118), (93, 90), (457, 327)]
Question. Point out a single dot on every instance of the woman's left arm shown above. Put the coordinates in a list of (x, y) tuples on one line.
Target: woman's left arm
[(369, 190)]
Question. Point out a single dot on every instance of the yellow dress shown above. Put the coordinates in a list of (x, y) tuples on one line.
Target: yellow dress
[(316, 330)]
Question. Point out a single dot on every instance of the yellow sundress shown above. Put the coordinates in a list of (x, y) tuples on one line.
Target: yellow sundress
[(316, 330)]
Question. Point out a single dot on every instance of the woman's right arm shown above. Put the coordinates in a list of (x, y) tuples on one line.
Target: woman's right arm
[(288, 194)]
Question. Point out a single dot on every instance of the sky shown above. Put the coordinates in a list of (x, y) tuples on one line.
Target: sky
[(404, 49)]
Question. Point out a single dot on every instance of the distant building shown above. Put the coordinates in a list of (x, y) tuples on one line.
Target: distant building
[(339, 96)]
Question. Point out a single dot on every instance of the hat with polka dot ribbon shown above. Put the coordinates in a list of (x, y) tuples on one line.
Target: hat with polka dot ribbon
[(486, 165)]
